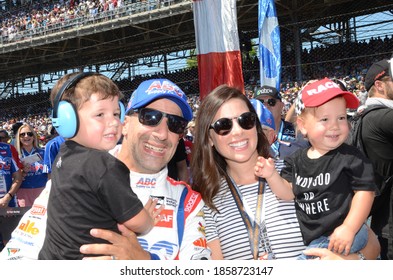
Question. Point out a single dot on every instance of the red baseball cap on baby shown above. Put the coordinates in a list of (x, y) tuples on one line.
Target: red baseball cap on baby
[(318, 93)]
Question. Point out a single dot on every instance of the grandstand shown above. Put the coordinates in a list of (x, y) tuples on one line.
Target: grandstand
[(145, 38)]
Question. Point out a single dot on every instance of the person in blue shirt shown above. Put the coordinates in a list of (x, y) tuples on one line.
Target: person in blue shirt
[(51, 150)]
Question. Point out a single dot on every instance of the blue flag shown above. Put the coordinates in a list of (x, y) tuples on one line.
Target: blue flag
[(269, 44)]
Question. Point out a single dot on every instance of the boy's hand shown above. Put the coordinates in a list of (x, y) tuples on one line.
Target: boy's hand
[(154, 212), (341, 240), (264, 167)]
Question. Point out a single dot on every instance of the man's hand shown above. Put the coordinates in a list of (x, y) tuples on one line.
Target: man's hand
[(122, 247)]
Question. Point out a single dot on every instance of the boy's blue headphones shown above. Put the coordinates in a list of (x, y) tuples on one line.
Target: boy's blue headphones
[(64, 115)]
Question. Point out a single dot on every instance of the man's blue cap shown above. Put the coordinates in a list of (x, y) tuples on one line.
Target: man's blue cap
[(151, 90), (264, 115)]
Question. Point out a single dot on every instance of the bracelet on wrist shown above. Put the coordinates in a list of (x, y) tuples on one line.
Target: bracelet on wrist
[(361, 256), (10, 195)]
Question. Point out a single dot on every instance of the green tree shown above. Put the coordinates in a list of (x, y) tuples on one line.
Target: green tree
[(192, 60)]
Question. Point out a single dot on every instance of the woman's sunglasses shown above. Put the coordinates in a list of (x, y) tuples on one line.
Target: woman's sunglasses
[(224, 126), (23, 134), (271, 101), (151, 117)]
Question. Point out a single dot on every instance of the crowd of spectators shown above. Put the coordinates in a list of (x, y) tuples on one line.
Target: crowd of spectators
[(336, 60), (35, 17), (35, 108)]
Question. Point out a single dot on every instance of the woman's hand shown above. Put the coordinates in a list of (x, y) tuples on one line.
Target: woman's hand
[(322, 254)]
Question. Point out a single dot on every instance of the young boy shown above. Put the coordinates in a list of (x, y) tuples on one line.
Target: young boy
[(331, 182), (90, 187)]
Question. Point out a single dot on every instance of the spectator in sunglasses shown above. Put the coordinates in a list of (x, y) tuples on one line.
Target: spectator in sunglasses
[(287, 141), (156, 117), (228, 141), (90, 188), (31, 155)]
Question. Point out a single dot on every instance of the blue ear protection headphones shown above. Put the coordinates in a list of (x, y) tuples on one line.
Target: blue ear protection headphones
[(64, 114)]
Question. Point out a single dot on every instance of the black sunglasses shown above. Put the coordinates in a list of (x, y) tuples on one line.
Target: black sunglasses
[(23, 134), (271, 102), (223, 126), (151, 117)]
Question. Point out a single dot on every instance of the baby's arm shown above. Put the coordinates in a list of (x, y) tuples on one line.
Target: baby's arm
[(145, 220), (265, 168), (342, 237)]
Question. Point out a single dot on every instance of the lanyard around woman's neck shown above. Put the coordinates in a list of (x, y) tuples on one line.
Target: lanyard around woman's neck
[(252, 224)]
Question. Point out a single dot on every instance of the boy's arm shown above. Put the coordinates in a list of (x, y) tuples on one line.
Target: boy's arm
[(282, 188), (342, 237), (145, 220), (360, 209), (141, 223), (371, 251)]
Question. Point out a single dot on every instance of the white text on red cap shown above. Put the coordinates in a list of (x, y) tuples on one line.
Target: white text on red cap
[(322, 88)]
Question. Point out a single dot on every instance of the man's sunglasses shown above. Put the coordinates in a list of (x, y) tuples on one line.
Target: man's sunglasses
[(23, 134), (271, 102), (224, 126), (151, 117)]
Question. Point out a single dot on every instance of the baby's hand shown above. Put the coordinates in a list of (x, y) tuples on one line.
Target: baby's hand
[(341, 240), (264, 167), (154, 212)]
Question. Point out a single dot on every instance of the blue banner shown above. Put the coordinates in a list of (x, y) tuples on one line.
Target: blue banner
[(269, 44)]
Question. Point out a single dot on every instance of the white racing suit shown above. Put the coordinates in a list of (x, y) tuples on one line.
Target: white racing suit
[(162, 241)]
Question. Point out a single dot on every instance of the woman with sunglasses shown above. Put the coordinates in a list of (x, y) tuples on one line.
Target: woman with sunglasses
[(31, 155), (241, 212)]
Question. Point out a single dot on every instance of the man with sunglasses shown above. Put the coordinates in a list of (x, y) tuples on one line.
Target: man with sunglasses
[(377, 135), (286, 141), (156, 117)]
